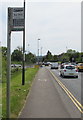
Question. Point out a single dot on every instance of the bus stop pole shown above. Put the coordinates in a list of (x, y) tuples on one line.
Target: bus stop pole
[(8, 68)]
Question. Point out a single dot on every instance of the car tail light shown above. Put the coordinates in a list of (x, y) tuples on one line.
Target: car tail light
[(64, 70), (76, 70)]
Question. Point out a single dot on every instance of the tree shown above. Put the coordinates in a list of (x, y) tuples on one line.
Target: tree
[(4, 51), (70, 51), (49, 56), (55, 58), (72, 55), (30, 58), (17, 55), (20, 48)]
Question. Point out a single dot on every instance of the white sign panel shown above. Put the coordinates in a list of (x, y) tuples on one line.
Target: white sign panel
[(17, 18)]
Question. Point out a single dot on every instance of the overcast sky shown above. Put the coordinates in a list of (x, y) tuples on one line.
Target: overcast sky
[(57, 24)]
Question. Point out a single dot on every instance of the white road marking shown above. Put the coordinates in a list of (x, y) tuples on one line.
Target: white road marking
[(42, 80)]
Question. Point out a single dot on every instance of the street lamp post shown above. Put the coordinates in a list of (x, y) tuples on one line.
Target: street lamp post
[(41, 51), (41, 54), (38, 51), (28, 48)]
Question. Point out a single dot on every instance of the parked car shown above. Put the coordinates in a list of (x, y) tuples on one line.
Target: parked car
[(73, 63), (69, 70), (54, 65), (46, 64), (80, 66), (16, 66)]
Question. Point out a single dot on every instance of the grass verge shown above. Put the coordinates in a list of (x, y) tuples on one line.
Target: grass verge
[(0, 100), (18, 92)]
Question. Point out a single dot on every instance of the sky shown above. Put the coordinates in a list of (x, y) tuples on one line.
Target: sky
[(56, 23)]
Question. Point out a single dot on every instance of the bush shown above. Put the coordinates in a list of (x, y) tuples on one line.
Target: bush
[(4, 69), (15, 70)]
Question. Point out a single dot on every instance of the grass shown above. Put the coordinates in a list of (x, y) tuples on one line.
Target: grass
[(18, 92), (16, 62), (0, 100)]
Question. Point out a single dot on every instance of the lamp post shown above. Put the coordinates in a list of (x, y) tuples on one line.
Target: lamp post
[(41, 51), (28, 48), (41, 54), (38, 50)]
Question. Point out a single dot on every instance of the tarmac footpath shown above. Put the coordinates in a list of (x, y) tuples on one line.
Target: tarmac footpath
[(44, 100)]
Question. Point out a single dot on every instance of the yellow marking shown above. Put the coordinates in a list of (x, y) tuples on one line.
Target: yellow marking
[(71, 98), (74, 100), (70, 93)]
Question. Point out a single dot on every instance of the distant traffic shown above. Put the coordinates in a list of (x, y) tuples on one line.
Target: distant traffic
[(66, 69)]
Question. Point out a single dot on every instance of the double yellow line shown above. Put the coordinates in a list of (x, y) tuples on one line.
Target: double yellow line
[(74, 100)]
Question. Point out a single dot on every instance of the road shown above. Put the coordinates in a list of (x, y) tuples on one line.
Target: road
[(73, 84), (47, 99)]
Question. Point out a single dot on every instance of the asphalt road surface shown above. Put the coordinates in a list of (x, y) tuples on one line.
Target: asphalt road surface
[(73, 84), (47, 99)]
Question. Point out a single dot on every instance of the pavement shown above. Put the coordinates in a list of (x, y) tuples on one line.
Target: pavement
[(44, 100)]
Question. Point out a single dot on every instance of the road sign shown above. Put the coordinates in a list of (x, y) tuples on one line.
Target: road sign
[(17, 19), (16, 22)]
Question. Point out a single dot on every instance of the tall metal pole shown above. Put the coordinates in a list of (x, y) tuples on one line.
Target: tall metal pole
[(41, 54), (66, 49), (81, 51), (41, 51), (38, 51), (28, 48), (8, 64), (8, 73), (23, 69)]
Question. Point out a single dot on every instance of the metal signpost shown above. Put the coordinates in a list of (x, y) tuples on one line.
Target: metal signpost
[(23, 70), (16, 22)]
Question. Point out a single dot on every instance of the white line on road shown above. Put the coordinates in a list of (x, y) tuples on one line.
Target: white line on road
[(42, 80)]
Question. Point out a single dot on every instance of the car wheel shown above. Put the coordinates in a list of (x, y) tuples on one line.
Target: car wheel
[(60, 74), (78, 70), (76, 76), (63, 75)]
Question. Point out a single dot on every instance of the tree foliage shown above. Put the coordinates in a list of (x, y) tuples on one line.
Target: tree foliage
[(69, 56), (30, 58), (17, 55), (4, 51)]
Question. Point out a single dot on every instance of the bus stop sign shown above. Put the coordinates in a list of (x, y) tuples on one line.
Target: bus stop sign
[(17, 19)]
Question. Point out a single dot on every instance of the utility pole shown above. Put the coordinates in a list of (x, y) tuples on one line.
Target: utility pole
[(23, 69)]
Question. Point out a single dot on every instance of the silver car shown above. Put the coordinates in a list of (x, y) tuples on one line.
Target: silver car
[(69, 70), (54, 65)]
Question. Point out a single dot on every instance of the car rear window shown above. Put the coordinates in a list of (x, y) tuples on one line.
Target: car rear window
[(70, 67), (81, 64)]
